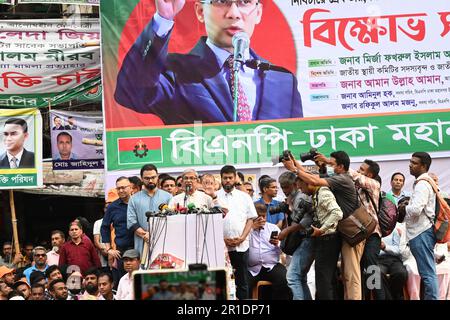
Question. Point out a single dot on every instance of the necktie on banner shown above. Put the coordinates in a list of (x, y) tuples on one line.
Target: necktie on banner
[(243, 112), (13, 163)]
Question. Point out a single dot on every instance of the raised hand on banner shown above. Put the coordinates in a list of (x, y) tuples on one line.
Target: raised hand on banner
[(168, 9)]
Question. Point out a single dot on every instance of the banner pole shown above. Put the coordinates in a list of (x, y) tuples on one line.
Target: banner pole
[(14, 222)]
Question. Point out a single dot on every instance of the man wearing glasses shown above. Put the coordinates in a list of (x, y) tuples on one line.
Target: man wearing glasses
[(183, 88), (148, 199), (15, 132), (116, 215), (40, 262), (191, 195)]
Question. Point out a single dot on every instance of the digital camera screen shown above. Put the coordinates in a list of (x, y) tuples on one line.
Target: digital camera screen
[(180, 285)]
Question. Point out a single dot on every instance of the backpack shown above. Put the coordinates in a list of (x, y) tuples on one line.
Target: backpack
[(387, 212), (442, 215)]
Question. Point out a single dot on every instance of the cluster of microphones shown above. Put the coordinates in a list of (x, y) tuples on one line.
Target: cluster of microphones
[(165, 210)]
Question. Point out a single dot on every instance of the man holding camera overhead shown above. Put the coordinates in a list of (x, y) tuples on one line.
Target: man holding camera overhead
[(299, 219), (343, 188)]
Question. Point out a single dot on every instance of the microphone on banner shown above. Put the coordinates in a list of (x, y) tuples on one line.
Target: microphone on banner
[(240, 42)]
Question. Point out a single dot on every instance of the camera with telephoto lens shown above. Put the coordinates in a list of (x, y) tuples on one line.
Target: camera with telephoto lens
[(286, 155), (281, 207), (308, 155)]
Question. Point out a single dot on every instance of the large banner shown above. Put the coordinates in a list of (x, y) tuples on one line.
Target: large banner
[(79, 2), (47, 62), (374, 79), (21, 149), (77, 140)]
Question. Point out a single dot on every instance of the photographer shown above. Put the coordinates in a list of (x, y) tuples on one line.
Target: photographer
[(327, 242), (294, 242), (343, 188), (275, 209)]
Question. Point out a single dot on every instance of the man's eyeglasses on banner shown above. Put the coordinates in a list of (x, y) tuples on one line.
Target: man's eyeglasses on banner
[(245, 6)]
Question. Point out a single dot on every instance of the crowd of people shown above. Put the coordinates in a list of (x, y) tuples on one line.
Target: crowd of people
[(264, 238)]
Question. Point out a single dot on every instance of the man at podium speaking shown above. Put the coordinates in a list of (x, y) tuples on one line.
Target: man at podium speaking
[(191, 197)]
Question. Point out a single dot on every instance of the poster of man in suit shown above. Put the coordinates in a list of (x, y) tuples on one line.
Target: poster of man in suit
[(15, 134), (20, 148)]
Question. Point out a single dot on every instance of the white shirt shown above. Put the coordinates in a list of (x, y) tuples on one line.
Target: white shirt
[(52, 258), (18, 157), (421, 209), (96, 230), (125, 288), (200, 199), (240, 208)]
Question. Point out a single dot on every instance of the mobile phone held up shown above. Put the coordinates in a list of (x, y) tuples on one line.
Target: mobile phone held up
[(273, 235)]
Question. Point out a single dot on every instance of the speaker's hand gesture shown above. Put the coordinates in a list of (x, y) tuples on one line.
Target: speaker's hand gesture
[(168, 9)]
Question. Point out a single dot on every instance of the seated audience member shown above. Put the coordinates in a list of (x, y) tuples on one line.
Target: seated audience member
[(264, 254), (393, 250)]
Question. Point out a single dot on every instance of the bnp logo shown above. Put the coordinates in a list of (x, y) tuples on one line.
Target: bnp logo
[(138, 150)]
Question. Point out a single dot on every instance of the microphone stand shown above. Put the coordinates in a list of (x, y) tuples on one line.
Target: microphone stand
[(236, 67)]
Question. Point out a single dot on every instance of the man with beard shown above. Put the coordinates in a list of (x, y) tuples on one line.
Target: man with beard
[(58, 289), (40, 262), (58, 239), (148, 199), (191, 194), (91, 291), (237, 225)]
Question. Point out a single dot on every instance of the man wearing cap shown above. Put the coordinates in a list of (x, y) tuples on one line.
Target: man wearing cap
[(23, 287), (116, 215), (191, 196), (4, 290), (7, 275), (148, 199), (131, 262), (40, 262)]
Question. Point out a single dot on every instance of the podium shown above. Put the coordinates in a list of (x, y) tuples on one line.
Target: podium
[(185, 239)]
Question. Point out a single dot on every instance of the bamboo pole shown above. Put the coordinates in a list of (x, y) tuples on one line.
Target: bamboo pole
[(14, 221)]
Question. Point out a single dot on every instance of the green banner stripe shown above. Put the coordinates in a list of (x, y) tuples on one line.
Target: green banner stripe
[(150, 156), (259, 142), (42, 100)]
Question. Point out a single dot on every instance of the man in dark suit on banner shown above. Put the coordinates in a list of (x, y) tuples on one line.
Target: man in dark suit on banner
[(15, 132), (183, 88)]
